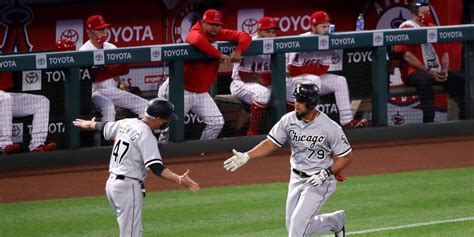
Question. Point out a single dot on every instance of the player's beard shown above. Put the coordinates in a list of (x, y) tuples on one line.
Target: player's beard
[(300, 115)]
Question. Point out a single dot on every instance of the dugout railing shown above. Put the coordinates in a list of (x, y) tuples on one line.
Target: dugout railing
[(176, 54)]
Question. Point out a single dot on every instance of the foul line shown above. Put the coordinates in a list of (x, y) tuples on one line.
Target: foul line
[(409, 226)]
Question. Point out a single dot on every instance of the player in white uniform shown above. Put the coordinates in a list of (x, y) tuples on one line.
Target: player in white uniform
[(252, 78), (315, 140), (313, 66), (105, 94), (135, 150)]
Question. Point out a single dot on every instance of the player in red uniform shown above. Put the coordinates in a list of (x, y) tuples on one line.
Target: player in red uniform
[(199, 75)]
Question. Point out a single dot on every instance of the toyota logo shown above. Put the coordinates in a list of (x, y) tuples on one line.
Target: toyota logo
[(70, 34), (268, 46), (335, 58), (249, 26), (432, 35), (31, 77), (15, 130), (41, 61), (99, 57), (378, 38), (156, 54), (323, 42)]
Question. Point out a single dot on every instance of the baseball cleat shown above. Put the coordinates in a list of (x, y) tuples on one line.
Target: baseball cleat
[(342, 232), (45, 147), (356, 123), (9, 149)]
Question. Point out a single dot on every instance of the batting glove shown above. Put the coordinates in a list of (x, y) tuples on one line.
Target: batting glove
[(236, 161), (319, 177)]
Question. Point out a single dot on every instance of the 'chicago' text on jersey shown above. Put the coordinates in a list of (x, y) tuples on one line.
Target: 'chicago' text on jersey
[(294, 137)]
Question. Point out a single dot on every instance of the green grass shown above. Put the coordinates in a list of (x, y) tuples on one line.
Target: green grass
[(258, 210)]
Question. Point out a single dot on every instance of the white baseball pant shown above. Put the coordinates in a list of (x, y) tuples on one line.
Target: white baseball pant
[(250, 92), (331, 83), (20, 105), (126, 199), (200, 104), (106, 95), (303, 205)]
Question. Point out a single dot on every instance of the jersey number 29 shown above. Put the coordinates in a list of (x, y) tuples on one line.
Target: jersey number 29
[(117, 152)]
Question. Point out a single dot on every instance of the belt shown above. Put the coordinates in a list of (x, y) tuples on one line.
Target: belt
[(301, 173), (123, 177)]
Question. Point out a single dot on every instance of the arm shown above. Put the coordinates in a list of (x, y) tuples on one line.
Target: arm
[(414, 62), (201, 42), (341, 163), (183, 179), (239, 159), (243, 42)]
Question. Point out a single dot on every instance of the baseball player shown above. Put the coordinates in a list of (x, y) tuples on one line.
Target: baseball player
[(105, 94), (199, 75), (425, 65), (315, 140), (135, 150), (252, 78), (20, 105), (313, 66)]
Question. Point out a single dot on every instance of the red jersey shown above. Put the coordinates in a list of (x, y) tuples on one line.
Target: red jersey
[(199, 75), (406, 69), (6, 81)]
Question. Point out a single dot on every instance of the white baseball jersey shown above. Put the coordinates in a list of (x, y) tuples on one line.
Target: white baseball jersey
[(134, 150), (312, 144), (322, 57), (254, 63), (89, 46)]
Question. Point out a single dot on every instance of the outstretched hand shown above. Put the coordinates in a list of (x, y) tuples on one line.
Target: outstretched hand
[(186, 181), (87, 124), (239, 159)]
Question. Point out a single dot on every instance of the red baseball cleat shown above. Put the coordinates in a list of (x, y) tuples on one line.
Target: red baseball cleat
[(356, 123), (45, 147), (9, 149)]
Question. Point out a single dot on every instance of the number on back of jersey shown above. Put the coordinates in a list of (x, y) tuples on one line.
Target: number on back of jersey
[(120, 150)]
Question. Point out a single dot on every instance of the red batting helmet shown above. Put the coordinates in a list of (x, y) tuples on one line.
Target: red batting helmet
[(65, 45)]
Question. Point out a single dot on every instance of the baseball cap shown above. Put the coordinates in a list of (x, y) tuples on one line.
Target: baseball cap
[(268, 23), (96, 22), (213, 16), (319, 17)]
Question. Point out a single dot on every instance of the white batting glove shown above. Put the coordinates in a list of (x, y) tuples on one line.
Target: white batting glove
[(319, 177), (236, 161)]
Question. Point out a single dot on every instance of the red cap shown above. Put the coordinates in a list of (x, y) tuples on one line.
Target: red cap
[(65, 45), (212, 16), (268, 23), (96, 22), (319, 17)]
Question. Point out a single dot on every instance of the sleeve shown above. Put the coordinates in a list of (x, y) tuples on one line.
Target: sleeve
[(110, 130), (117, 69), (242, 38), (278, 133), (339, 143), (199, 41), (235, 69), (148, 146)]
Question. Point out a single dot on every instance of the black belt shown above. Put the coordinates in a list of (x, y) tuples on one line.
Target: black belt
[(301, 173), (122, 177)]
